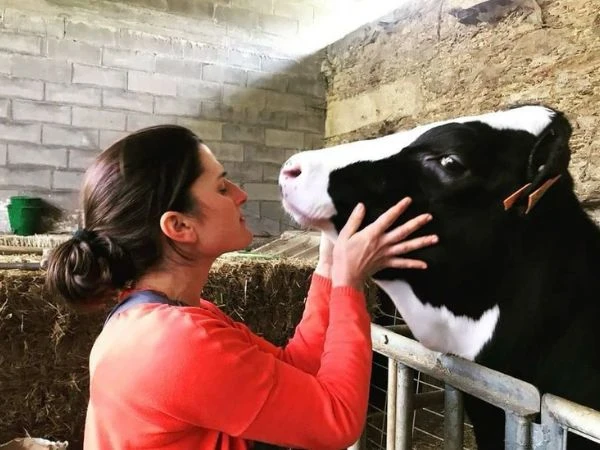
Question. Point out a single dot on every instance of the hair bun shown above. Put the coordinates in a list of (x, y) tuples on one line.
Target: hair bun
[(84, 235), (88, 268)]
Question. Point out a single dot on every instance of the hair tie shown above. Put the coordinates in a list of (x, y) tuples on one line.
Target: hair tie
[(84, 235)]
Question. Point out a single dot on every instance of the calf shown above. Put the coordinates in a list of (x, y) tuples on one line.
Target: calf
[(513, 283)]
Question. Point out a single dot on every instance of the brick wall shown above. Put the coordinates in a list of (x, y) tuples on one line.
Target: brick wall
[(75, 77), (433, 60)]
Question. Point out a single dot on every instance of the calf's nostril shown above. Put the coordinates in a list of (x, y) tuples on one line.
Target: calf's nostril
[(292, 172)]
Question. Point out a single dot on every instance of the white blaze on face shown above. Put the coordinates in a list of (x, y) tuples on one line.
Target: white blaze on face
[(304, 178)]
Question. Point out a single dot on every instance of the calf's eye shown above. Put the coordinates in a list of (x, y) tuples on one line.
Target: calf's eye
[(452, 163)]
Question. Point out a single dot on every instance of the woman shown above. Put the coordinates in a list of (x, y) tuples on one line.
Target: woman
[(158, 211)]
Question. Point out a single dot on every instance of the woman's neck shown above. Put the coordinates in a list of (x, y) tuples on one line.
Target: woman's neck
[(183, 281)]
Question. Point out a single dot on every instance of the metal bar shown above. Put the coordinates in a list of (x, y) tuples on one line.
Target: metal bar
[(559, 414), (402, 329), (517, 432), (390, 443), (453, 419), (489, 385), (428, 399), (404, 407)]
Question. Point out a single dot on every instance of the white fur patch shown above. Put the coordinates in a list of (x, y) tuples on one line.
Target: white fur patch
[(437, 328)]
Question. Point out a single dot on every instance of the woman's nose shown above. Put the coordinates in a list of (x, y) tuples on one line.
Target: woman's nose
[(241, 195)]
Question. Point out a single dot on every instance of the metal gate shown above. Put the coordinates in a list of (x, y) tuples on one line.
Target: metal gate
[(520, 401)]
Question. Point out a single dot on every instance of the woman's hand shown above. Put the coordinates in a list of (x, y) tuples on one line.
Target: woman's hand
[(325, 257), (356, 255)]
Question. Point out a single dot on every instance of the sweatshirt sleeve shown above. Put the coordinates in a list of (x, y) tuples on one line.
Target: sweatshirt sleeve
[(229, 383), (305, 348)]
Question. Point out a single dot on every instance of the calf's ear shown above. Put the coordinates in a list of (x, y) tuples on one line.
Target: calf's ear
[(551, 154)]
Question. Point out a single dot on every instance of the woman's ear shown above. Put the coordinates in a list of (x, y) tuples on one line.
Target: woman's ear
[(178, 227)]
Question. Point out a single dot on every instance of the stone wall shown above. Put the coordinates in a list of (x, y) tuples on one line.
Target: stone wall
[(435, 59), (75, 75)]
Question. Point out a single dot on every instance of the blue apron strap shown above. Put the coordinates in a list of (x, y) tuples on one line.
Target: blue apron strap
[(137, 298)]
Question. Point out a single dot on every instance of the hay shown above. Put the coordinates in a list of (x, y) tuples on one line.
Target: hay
[(44, 345), (33, 241)]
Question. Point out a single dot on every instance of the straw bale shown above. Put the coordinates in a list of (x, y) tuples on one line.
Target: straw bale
[(44, 345)]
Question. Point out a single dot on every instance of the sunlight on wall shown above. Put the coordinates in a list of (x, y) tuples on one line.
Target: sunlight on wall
[(344, 17)]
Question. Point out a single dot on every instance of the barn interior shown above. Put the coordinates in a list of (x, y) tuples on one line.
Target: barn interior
[(257, 80)]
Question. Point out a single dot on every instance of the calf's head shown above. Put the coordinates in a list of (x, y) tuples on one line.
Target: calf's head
[(460, 170)]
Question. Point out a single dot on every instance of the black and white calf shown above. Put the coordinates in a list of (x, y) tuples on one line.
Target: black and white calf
[(514, 282)]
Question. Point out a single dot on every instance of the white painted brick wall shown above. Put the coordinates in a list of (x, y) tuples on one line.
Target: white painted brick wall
[(260, 191), (284, 139), (110, 120), (128, 59), (10, 87), (138, 121), (73, 94), (4, 105), (21, 132), (81, 159), (93, 33), (48, 25), (178, 67), (130, 101), (152, 83), (28, 178), (67, 180), (199, 89), (177, 106), (75, 80), (108, 137), (3, 154), (205, 129), (70, 50), (5, 63), (40, 112), (20, 43), (84, 74), (19, 154), (55, 135)]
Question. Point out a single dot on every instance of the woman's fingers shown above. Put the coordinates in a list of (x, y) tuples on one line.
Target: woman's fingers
[(353, 222), (411, 245), (403, 231), (385, 220), (405, 263)]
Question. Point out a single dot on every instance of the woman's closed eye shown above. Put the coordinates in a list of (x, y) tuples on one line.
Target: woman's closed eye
[(224, 187)]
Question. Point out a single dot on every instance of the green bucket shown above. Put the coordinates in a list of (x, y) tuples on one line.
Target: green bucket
[(24, 214)]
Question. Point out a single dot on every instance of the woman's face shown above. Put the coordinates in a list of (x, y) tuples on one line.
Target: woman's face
[(220, 225)]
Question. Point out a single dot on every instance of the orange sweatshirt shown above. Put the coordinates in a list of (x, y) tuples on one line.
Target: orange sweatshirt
[(190, 378)]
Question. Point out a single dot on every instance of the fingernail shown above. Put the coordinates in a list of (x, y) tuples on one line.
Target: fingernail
[(359, 208), (406, 200), (429, 217), (434, 239)]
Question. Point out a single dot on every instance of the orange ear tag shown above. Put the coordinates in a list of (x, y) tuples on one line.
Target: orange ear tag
[(512, 199), (535, 196)]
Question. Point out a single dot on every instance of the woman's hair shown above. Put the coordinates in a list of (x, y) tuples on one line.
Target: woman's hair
[(125, 192)]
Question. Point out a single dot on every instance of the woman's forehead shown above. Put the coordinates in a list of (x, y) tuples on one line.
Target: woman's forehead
[(208, 161)]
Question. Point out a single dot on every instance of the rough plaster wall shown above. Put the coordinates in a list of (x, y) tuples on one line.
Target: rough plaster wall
[(435, 59), (75, 75)]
